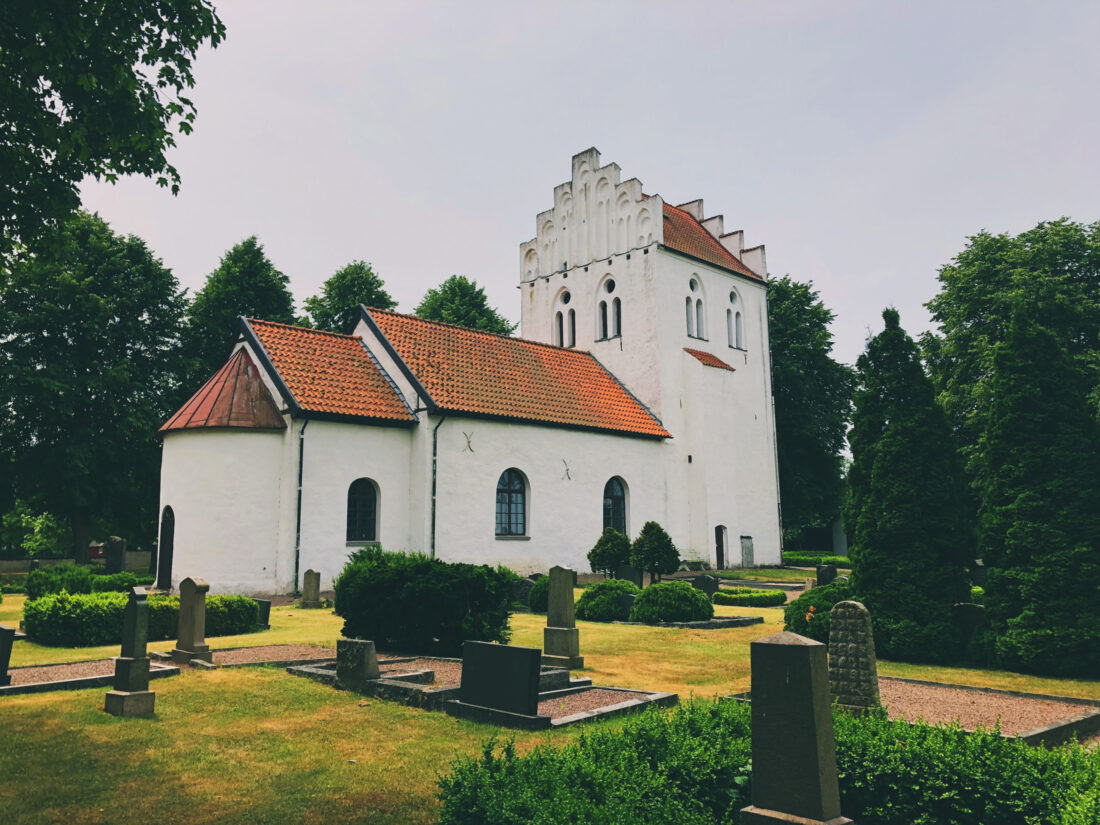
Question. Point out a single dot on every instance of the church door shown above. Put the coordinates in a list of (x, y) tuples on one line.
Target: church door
[(164, 549), (746, 551)]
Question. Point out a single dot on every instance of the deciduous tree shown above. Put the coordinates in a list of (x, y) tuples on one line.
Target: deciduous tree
[(461, 301), (336, 307)]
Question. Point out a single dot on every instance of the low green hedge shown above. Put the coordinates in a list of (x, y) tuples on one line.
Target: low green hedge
[(692, 765), (538, 599), (810, 560), (798, 618), (89, 619), (600, 601), (747, 597), (674, 601), (74, 578)]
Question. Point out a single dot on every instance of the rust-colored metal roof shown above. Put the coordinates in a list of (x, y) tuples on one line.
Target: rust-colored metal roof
[(685, 234), (234, 397), (330, 374), (708, 360), (479, 373)]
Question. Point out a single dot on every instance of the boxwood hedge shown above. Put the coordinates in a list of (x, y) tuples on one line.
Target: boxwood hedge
[(799, 618), (748, 597), (600, 601), (674, 601), (79, 579), (811, 560)]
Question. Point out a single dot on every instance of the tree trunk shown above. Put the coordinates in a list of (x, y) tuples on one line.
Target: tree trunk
[(82, 534)]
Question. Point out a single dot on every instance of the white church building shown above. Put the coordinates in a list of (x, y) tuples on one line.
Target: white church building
[(639, 391)]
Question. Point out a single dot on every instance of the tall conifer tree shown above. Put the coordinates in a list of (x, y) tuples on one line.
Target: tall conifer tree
[(1040, 515), (907, 503)]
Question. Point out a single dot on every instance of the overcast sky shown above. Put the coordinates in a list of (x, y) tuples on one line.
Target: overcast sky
[(862, 142)]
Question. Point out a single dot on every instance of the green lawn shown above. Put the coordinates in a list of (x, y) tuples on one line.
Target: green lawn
[(767, 574)]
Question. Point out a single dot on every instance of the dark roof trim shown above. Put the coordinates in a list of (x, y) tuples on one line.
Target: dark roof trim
[(253, 341), (537, 422), (344, 418), (752, 279), (429, 402)]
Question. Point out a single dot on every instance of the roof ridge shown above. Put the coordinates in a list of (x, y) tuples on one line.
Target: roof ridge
[(512, 338), (302, 329)]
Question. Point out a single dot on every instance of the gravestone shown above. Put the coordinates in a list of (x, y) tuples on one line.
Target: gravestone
[(265, 612), (501, 677), (794, 775), (7, 639), (356, 663), (311, 589), (826, 574), (626, 604), (977, 573), (115, 555), (708, 584), (853, 671), (521, 591), (629, 573), (191, 643), (560, 638), (969, 620), (131, 695), (34, 565)]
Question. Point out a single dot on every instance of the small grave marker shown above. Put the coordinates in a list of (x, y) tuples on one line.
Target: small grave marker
[(560, 637), (626, 603), (853, 670), (191, 642), (356, 663), (265, 612), (708, 584), (114, 555), (311, 589), (500, 677), (7, 639), (629, 573), (826, 574), (131, 695)]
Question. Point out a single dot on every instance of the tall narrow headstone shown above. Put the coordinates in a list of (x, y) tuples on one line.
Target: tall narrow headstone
[(265, 612), (853, 670), (561, 642), (793, 755), (7, 639), (131, 695), (356, 663), (114, 555), (191, 643), (311, 589)]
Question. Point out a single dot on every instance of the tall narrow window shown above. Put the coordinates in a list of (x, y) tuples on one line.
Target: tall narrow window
[(729, 327), (512, 504), (559, 332), (738, 331), (617, 317), (362, 511), (602, 331), (614, 505), (572, 328), (700, 329), (689, 309)]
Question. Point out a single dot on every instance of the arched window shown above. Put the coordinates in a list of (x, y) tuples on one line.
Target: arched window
[(512, 504), (738, 332), (690, 311), (559, 330), (572, 328), (614, 504), (616, 318), (729, 327), (700, 328), (362, 511), (601, 332), (733, 323)]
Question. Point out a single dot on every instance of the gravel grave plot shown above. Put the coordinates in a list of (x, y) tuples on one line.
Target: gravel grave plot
[(586, 700), (447, 674), (270, 653), (60, 673), (972, 708)]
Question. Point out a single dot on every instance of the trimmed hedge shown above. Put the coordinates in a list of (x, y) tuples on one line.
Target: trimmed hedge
[(89, 619), (692, 765), (674, 601), (811, 560), (821, 599), (79, 579), (600, 601), (747, 597), (538, 599), (416, 604)]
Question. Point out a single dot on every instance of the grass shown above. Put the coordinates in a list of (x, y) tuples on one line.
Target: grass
[(766, 574)]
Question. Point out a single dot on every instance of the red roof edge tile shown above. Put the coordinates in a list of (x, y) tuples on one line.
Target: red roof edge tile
[(708, 360)]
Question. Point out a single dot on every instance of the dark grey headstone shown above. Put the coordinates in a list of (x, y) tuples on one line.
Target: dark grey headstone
[(626, 603), (629, 573), (7, 639), (853, 669), (560, 611), (131, 674), (969, 619), (115, 554), (191, 642), (356, 663), (826, 574), (793, 755), (977, 573), (502, 677), (708, 584), (521, 591), (135, 624), (35, 564), (265, 611)]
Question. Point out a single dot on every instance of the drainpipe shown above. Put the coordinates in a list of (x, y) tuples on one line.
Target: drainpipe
[(298, 517), (435, 462)]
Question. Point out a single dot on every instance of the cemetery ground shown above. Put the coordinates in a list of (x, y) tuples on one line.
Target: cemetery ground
[(257, 745)]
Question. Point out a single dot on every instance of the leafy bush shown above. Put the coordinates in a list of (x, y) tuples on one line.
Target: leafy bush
[(747, 597), (977, 594), (692, 765), (538, 600), (68, 577), (114, 583), (653, 551), (671, 602), (416, 604), (812, 560), (87, 619), (600, 601), (611, 551), (821, 599)]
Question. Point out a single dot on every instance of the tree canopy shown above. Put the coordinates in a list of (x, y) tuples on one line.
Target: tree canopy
[(610, 551), (1040, 519), (1054, 270), (907, 510), (245, 283), (461, 301), (90, 368), (813, 402), (654, 552), (91, 88), (336, 307)]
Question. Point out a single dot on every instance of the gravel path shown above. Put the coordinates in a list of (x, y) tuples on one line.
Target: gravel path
[(447, 674), (271, 653), (972, 708), (585, 700)]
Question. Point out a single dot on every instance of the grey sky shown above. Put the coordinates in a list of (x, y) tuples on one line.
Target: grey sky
[(861, 142)]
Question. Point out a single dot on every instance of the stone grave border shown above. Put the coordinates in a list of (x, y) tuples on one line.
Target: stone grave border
[(721, 623), (200, 664), (642, 700), (1055, 733), (156, 671), (410, 688)]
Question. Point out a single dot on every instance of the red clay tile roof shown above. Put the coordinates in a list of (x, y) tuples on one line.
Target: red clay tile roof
[(707, 359), (466, 371), (330, 373), (234, 397), (685, 234)]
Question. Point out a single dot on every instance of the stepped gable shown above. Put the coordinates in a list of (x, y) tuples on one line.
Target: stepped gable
[(476, 373), (685, 234), (234, 397)]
